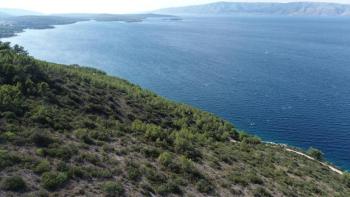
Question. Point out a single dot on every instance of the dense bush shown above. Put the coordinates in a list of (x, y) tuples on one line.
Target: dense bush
[(252, 140), (42, 166), (188, 168), (44, 115), (315, 153), (113, 189), (102, 135), (9, 135), (169, 187), (8, 159), (346, 179), (151, 152), (239, 179), (154, 175), (77, 172), (14, 183), (261, 192), (204, 186), (154, 132), (254, 178), (166, 158), (184, 140), (64, 152), (10, 98), (84, 136), (133, 171), (41, 138), (243, 135), (53, 180), (88, 157)]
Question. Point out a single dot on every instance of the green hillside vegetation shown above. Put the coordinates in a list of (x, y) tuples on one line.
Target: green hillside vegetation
[(74, 131)]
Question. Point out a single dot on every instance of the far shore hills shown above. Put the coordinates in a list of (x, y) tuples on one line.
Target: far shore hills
[(277, 9), (13, 21)]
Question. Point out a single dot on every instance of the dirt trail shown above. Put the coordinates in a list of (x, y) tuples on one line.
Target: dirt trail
[(302, 154), (307, 156)]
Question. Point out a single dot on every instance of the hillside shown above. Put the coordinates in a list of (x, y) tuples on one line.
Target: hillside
[(75, 131), (284, 9), (17, 12)]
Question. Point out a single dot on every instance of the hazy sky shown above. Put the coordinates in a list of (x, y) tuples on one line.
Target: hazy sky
[(114, 6)]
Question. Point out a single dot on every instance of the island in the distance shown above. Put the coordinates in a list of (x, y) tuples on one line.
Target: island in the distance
[(12, 24), (75, 131)]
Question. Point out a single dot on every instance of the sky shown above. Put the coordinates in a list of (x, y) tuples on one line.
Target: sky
[(115, 6)]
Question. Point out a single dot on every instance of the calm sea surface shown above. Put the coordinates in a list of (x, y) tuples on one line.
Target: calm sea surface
[(284, 79)]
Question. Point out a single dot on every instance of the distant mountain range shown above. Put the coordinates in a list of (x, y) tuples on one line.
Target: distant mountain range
[(16, 12), (288, 9)]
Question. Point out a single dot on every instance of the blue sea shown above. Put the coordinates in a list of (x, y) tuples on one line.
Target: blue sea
[(285, 79)]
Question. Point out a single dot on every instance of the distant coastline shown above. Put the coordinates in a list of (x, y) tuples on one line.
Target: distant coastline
[(264, 8), (10, 26)]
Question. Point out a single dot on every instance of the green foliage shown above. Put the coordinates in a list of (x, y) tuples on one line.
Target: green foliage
[(62, 166), (84, 136), (261, 192), (248, 139), (41, 138), (8, 159), (10, 98), (53, 180), (97, 172), (151, 152), (169, 187), (107, 148), (154, 175), (243, 135), (153, 132), (64, 152), (239, 179), (315, 153), (9, 136), (166, 158), (102, 135), (245, 178), (77, 172), (14, 183), (113, 189), (184, 144), (225, 154), (89, 157), (19, 50), (252, 140), (183, 141), (204, 186), (346, 179), (133, 171), (188, 168), (40, 152), (42, 115), (42, 166), (42, 88)]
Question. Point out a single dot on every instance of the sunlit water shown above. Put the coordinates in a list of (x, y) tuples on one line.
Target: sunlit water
[(284, 79)]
